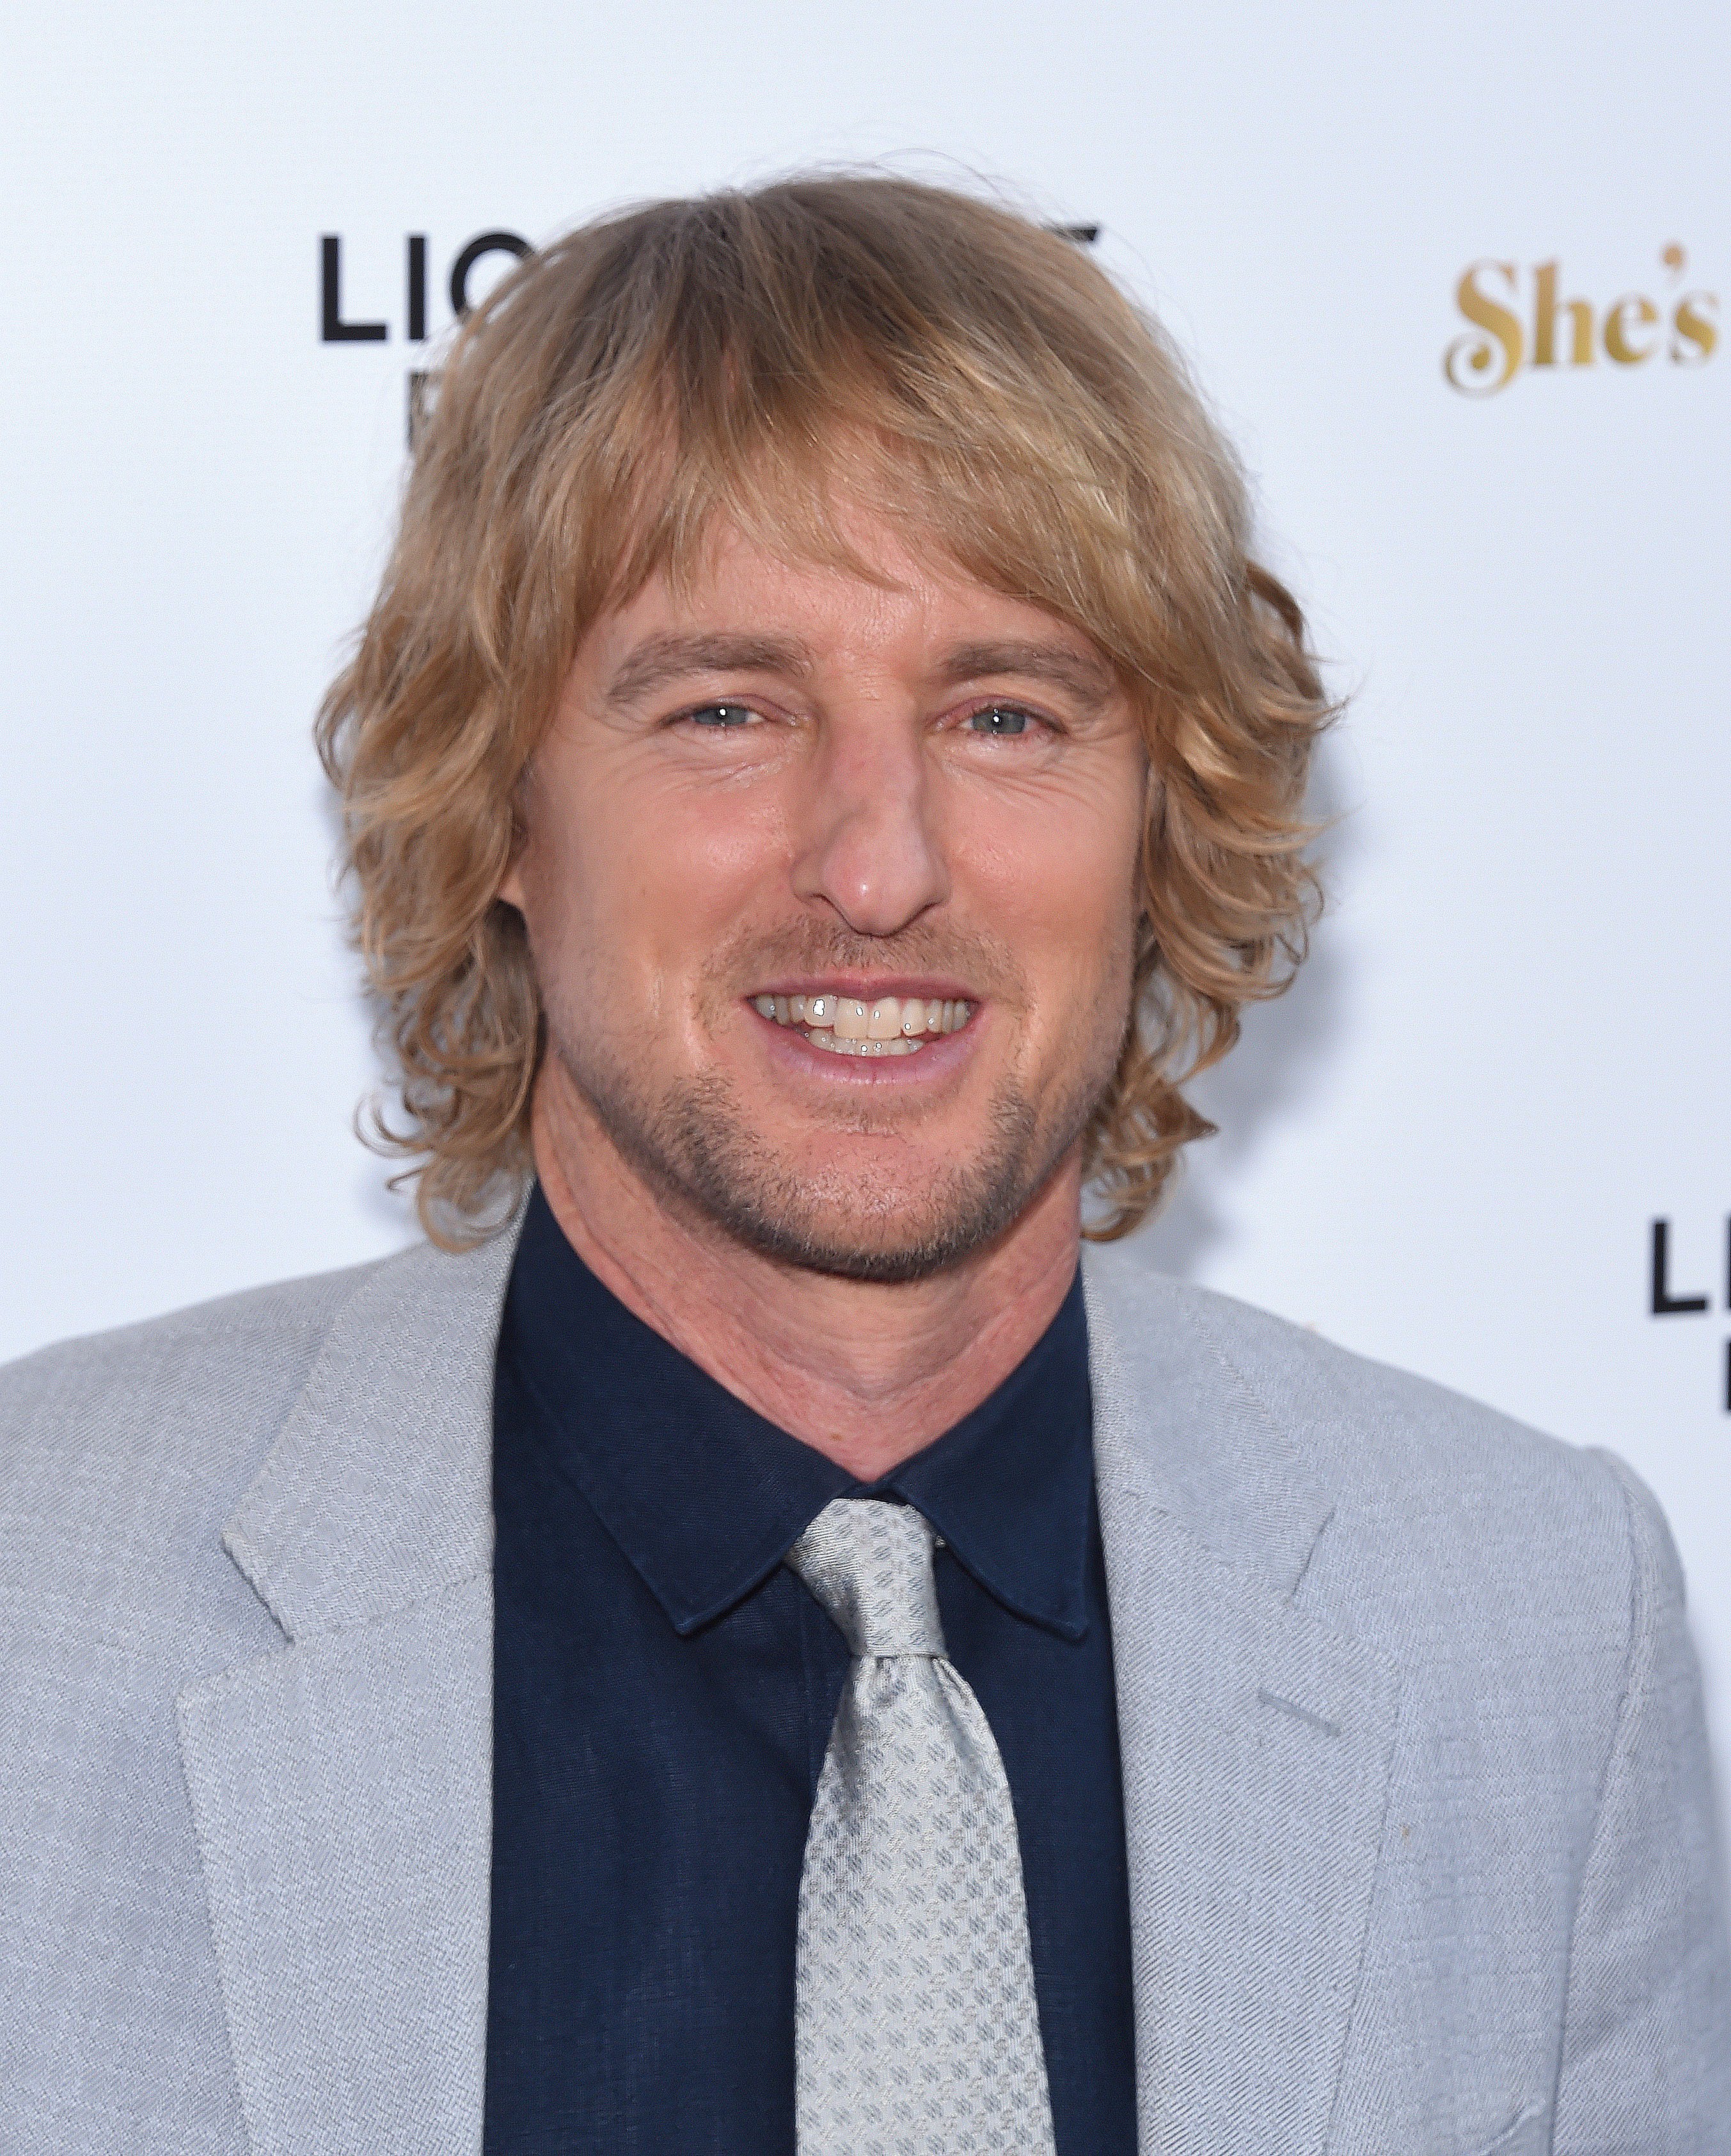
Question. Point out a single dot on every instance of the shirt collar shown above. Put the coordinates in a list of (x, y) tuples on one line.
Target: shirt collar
[(1010, 1487), (705, 1498)]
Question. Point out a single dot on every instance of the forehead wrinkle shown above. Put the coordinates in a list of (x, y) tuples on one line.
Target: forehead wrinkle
[(664, 658), (1089, 680)]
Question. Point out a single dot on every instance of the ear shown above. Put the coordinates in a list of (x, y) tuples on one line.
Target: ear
[(510, 884)]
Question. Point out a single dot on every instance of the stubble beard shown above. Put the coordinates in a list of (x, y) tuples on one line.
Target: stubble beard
[(704, 1157)]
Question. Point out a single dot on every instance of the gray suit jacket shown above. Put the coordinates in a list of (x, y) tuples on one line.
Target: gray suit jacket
[(1422, 1857)]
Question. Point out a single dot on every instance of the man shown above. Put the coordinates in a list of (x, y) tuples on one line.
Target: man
[(738, 1644)]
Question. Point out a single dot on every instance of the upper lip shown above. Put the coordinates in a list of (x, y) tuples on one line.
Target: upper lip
[(932, 987)]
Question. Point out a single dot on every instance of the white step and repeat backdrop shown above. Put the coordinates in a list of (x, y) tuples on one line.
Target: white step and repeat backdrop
[(1460, 282)]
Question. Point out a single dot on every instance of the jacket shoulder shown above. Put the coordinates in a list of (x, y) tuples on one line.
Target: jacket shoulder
[(1435, 1498), (133, 1432), (1344, 1410), (268, 1323)]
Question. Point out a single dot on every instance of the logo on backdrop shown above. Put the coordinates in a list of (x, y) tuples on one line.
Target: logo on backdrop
[(1521, 320), (1673, 1294), (338, 325)]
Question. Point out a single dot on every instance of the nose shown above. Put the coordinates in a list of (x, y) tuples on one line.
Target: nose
[(864, 845)]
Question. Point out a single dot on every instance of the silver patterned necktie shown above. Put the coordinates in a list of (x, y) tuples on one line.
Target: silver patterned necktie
[(916, 2031)]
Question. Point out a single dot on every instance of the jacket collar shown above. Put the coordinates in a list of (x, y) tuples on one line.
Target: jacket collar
[(342, 1786), (378, 1491), (1256, 1739), (1179, 1427)]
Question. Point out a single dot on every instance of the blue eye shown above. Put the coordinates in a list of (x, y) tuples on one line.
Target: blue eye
[(723, 715), (999, 720)]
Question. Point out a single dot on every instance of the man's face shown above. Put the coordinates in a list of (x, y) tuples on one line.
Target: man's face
[(919, 797)]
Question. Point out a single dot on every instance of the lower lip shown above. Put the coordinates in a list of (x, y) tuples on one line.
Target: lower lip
[(943, 1053)]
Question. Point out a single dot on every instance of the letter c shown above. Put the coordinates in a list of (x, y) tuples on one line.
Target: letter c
[(485, 242)]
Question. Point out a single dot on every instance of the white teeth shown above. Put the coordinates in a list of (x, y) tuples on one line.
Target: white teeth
[(892, 1026)]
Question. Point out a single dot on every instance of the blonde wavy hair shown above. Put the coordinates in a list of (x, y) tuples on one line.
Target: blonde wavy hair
[(683, 361)]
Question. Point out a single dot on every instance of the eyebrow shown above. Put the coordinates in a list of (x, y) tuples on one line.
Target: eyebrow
[(660, 659), (1089, 681)]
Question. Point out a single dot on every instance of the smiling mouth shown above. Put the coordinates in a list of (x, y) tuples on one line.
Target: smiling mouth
[(892, 1026)]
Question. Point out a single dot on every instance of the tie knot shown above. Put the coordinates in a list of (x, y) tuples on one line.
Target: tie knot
[(870, 1564)]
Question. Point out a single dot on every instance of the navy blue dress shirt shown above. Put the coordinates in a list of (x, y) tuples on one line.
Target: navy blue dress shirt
[(664, 1690)]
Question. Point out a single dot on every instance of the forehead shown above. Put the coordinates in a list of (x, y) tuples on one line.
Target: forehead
[(885, 590)]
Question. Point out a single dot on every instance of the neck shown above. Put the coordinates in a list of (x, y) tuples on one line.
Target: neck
[(865, 1374)]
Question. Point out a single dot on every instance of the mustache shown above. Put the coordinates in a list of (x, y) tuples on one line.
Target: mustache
[(811, 946)]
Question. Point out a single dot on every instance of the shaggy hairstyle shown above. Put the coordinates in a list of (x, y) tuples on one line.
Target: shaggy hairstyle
[(745, 355)]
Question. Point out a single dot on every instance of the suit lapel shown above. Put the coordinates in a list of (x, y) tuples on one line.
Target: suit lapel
[(1256, 1741), (342, 1786)]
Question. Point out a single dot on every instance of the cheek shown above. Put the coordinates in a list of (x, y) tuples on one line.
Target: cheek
[(637, 879), (1056, 881), (689, 863)]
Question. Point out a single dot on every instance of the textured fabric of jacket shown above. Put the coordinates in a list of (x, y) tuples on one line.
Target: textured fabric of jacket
[(1422, 1860)]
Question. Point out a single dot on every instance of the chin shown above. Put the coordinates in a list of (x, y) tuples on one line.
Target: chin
[(826, 1247), (913, 1227)]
